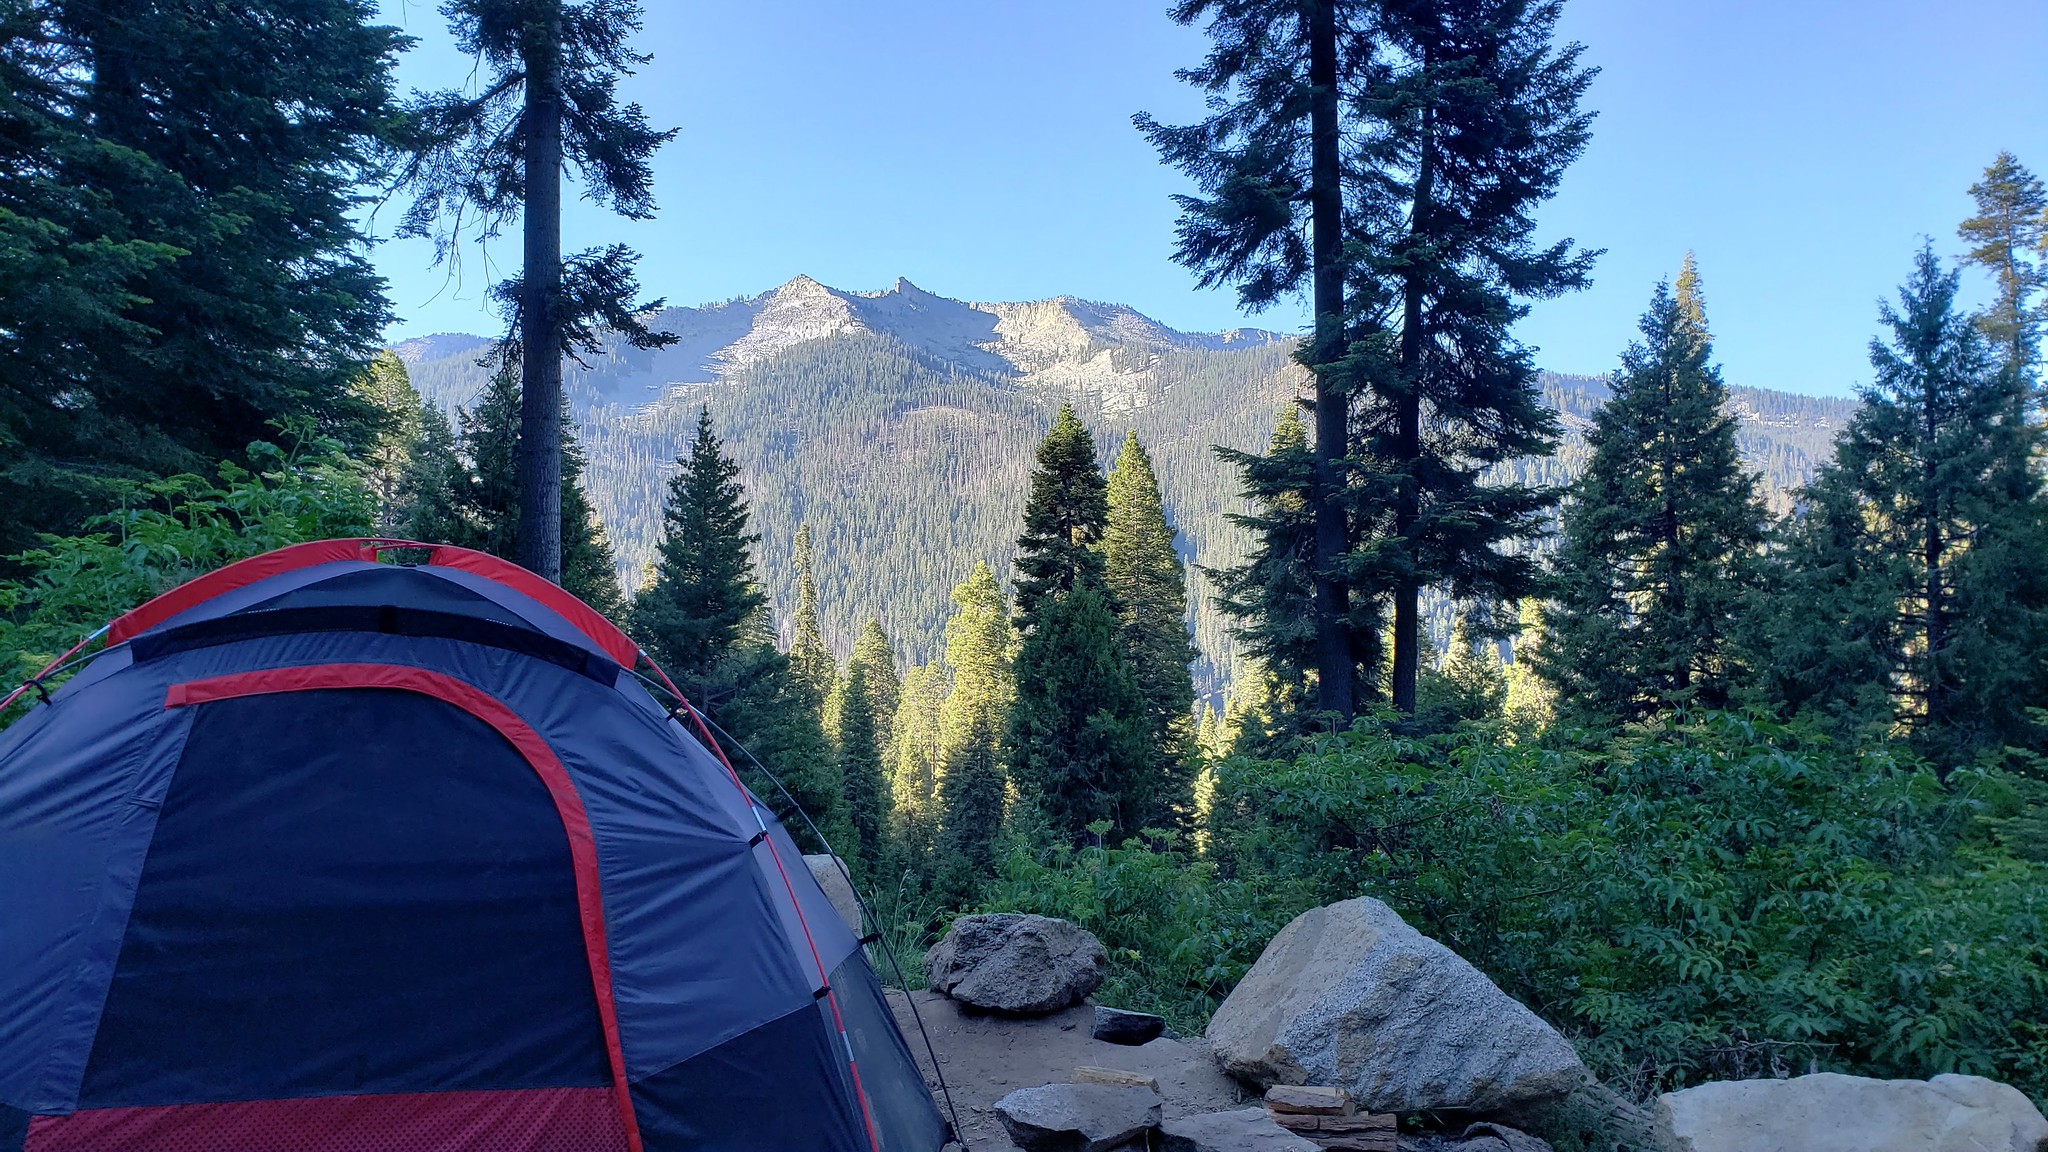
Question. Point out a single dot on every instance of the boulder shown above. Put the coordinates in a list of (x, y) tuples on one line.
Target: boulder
[(1014, 963), (831, 876), (1349, 995), (1077, 1117), (1242, 1130), (1828, 1112), (1116, 1026)]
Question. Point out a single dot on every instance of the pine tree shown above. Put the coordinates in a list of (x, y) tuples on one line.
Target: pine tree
[(918, 754), (1078, 733), (184, 263), (704, 591), (1662, 534), (809, 660), (479, 162), (1063, 517), (704, 618), (489, 501), (874, 652), (1474, 124), (1148, 584), (2008, 237), (425, 503), (1916, 582), (1269, 598), (1531, 703), (1473, 683), (980, 647), (1284, 79), (860, 770), (386, 388)]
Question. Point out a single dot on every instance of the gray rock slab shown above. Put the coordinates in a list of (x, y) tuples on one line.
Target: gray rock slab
[(1239, 1130), (1828, 1112), (1349, 995), (1077, 1117), (1016, 963)]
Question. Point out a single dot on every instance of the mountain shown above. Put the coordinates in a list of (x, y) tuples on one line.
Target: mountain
[(901, 426)]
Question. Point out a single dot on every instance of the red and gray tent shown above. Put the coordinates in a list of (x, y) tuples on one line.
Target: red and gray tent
[(329, 854)]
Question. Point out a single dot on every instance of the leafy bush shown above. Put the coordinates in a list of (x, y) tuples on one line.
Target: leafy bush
[(1718, 896), (175, 529)]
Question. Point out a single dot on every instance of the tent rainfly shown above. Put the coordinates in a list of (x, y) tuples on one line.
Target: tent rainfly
[(330, 854)]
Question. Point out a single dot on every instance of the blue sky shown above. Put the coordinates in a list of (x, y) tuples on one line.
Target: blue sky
[(983, 149)]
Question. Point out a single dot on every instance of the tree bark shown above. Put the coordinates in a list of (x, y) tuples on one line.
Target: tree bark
[(1334, 668), (1408, 437), (540, 397)]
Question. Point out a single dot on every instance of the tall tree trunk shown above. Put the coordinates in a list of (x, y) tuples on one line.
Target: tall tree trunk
[(1335, 691), (540, 397), (1674, 591), (1408, 415)]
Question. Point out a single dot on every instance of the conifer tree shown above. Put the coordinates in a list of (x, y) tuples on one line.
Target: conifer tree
[(980, 648), (1916, 582), (918, 754), (1146, 579), (1662, 534), (1473, 681), (809, 660), (860, 770), (478, 162), (385, 386), (489, 502), (1531, 703), (426, 502), (874, 652), (1063, 517), (704, 590), (2008, 237), (1269, 598), (1079, 733)]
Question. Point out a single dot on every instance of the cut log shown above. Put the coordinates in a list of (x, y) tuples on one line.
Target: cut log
[(1309, 1100), (1113, 1077)]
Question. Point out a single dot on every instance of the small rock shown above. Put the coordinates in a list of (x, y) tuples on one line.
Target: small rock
[(827, 871), (1116, 1026), (1243, 1130), (1350, 995), (1015, 963), (1077, 1117), (1828, 1112)]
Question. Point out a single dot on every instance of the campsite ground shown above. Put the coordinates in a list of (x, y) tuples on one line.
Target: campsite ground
[(986, 1057)]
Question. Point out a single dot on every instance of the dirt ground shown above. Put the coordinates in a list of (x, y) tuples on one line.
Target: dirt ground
[(986, 1057)]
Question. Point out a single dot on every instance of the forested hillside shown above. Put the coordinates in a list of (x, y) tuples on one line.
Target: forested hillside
[(906, 447)]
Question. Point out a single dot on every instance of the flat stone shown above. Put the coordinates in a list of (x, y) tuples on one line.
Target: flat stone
[(1309, 1100), (1241, 1130), (1077, 1117), (826, 870), (1114, 1077), (1016, 963), (1828, 1112), (1350, 995), (1116, 1026)]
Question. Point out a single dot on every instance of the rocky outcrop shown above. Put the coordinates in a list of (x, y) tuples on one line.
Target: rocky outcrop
[(1116, 1026), (1350, 995), (1827, 1112), (831, 876), (1077, 1117), (1015, 963), (1241, 1130)]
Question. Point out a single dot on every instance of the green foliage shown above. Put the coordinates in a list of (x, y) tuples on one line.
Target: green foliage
[(1179, 934), (703, 591), (1661, 536), (178, 233), (916, 758), (860, 771), (171, 531), (876, 655), (980, 650), (2008, 237), (1078, 738), (1148, 584), (809, 660), (1268, 597), (1471, 685), (1714, 897), (1064, 518)]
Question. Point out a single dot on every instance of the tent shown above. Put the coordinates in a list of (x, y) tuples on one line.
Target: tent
[(325, 853)]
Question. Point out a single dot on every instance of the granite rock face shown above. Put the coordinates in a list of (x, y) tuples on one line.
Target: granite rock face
[(1349, 995), (1827, 1112), (1016, 963)]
